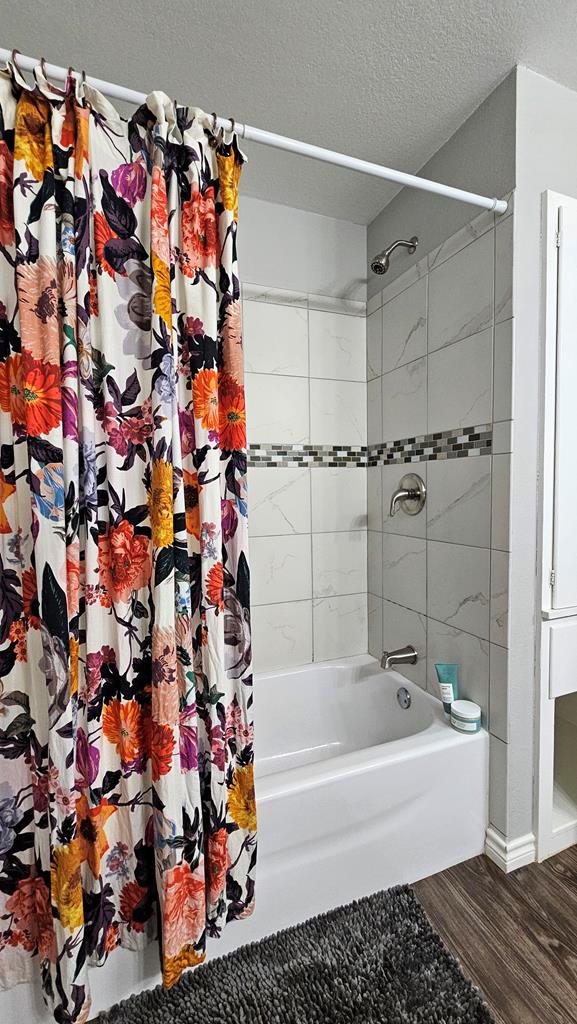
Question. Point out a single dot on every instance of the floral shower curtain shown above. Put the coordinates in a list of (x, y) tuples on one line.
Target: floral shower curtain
[(126, 785)]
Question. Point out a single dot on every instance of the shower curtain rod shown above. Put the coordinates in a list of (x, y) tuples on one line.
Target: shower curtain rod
[(264, 138)]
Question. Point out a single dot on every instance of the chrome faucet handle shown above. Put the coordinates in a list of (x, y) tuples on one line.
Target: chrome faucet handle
[(410, 495), (403, 656)]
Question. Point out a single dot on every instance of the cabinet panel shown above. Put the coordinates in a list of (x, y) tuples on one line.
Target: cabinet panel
[(562, 657), (565, 504)]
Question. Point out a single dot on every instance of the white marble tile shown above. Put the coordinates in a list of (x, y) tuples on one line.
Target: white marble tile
[(275, 339), (339, 563), (502, 371), (405, 327), (375, 563), (277, 409), (339, 499), (279, 296), (338, 304), (498, 700), (458, 506), (502, 437), (375, 302), (280, 569), (405, 280), (338, 412), (374, 498), (504, 269), (337, 346), (279, 501), (404, 393), (459, 384), (461, 294), (375, 625), (339, 626), (405, 571), (282, 635), (445, 644), (375, 344), (500, 598), (402, 626), (477, 227), (408, 526), (500, 502), (374, 412), (458, 586), (498, 752)]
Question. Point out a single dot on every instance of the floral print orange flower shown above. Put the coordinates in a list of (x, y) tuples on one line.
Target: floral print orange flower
[(205, 398), (41, 394), (184, 905), (6, 489), (11, 388), (242, 799), (123, 560), (214, 585), (122, 724), (199, 231), (232, 416), (92, 841)]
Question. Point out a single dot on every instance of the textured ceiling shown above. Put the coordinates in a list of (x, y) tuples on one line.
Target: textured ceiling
[(386, 81)]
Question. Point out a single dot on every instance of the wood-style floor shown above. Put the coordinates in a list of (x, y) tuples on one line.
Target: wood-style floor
[(514, 935)]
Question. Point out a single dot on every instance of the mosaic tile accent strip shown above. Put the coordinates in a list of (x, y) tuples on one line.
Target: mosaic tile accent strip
[(463, 442), (294, 455)]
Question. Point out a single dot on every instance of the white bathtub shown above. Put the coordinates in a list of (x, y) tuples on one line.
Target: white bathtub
[(355, 794)]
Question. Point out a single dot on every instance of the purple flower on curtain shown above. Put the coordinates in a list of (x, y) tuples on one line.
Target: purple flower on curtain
[(229, 519), (187, 438), (130, 180), (165, 382), (188, 739), (87, 761)]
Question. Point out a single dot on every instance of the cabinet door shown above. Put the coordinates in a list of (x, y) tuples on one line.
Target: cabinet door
[(564, 593)]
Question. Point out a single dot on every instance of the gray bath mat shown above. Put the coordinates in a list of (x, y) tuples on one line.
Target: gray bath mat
[(376, 961)]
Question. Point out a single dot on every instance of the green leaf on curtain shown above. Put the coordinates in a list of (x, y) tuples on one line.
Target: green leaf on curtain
[(54, 611), (45, 192), (118, 213), (243, 581), (164, 565)]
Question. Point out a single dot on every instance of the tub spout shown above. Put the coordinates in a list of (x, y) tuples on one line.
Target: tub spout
[(403, 656)]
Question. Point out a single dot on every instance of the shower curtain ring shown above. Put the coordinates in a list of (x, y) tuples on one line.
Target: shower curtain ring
[(14, 61)]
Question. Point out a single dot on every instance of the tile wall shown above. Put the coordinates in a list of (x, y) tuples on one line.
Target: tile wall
[(305, 361), (439, 350)]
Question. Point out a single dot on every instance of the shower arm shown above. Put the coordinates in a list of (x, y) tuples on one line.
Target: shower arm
[(411, 245)]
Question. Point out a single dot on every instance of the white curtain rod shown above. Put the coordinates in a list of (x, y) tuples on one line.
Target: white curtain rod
[(245, 131)]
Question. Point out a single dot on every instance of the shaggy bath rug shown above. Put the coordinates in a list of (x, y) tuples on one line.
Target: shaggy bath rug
[(375, 961)]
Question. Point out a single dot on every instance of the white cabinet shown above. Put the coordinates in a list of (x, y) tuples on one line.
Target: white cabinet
[(564, 551)]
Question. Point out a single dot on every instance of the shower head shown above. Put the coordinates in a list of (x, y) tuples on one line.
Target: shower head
[(380, 262)]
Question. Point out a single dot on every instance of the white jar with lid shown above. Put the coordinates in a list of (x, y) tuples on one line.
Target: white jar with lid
[(465, 716)]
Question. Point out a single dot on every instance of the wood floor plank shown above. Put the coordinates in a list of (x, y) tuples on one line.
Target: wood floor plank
[(515, 935)]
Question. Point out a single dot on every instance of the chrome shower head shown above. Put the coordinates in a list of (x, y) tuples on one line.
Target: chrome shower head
[(380, 263)]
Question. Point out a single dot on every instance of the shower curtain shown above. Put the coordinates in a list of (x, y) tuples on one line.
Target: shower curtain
[(126, 782)]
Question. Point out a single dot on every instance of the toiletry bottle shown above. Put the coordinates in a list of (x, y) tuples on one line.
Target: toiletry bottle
[(448, 676)]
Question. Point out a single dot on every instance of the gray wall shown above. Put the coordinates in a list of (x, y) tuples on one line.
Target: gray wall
[(479, 157), (439, 343)]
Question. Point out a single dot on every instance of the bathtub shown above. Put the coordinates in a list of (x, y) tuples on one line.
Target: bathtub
[(355, 794)]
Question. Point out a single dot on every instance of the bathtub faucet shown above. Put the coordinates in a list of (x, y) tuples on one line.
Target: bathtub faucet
[(403, 656)]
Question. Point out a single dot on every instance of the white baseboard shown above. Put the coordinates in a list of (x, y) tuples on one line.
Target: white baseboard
[(510, 854)]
